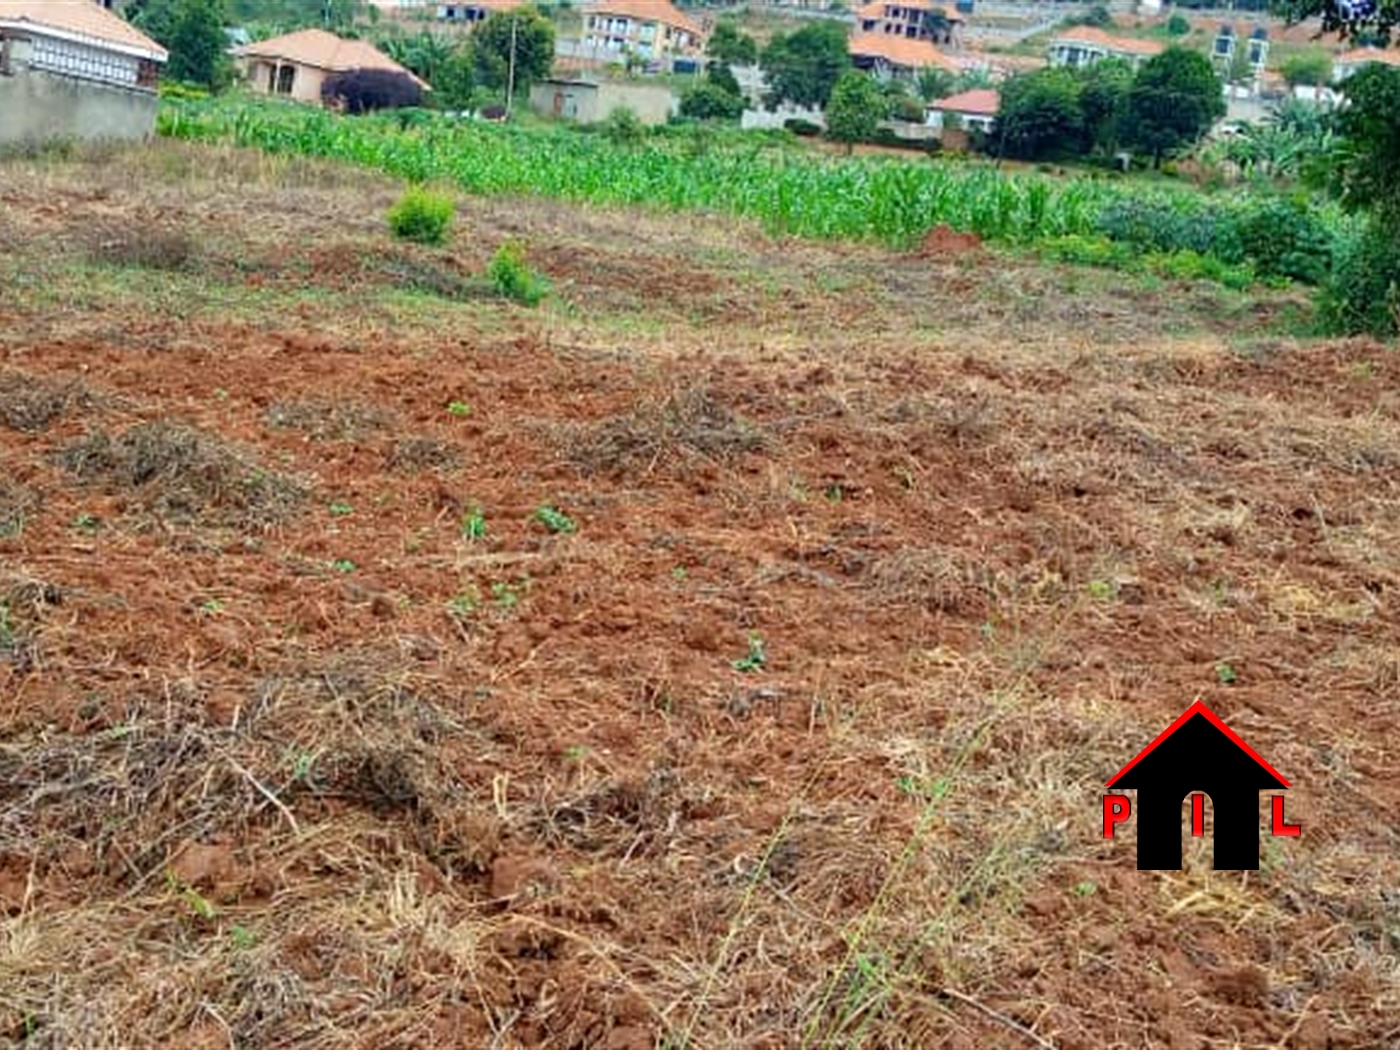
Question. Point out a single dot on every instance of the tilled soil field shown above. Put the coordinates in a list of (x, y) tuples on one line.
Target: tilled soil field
[(728, 653)]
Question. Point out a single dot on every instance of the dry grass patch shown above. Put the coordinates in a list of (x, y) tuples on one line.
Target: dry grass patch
[(413, 455), (328, 420), (145, 247), (18, 503), (693, 422), (182, 473), (31, 403), (933, 578)]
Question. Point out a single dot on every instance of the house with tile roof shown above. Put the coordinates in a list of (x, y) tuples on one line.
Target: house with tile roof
[(649, 29), (974, 110), (1085, 45), (891, 57), (913, 19), (297, 65), (73, 69)]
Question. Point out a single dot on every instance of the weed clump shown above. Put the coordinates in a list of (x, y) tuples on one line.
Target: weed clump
[(324, 420), (513, 278), (30, 403), (412, 455), (422, 216), (17, 505), (689, 423), (185, 474), (146, 248)]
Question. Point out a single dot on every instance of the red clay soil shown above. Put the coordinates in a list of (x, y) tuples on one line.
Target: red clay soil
[(289, 758)]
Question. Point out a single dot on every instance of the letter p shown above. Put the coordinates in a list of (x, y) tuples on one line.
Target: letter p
[(1116, 809)]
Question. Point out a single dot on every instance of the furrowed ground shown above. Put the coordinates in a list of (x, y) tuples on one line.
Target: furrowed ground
[(881, 564)]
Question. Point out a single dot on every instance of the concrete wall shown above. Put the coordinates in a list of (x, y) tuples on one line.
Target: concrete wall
[(35, 106), (589, 103)]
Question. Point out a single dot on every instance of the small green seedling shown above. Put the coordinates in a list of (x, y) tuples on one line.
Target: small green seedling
[(925, 790), (459, 409), (1085, 888), (242, 938), (756, 658), (554, 520), (463, 604), (1100, 590), (507, 595), (198, 904), (86, 522), (1225, 674), (343, 565), (339, 510), (474, 525), (679, 574)]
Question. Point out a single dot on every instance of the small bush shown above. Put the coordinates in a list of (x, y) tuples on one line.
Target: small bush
[(1090, 251), (366, 90), (1362, 294), (422, 216), (1285, 238), (1177, 25), (622, 127), (1164, 226), (513, 279)]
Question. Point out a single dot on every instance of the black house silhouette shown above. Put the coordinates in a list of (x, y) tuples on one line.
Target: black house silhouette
[(1198, 752)]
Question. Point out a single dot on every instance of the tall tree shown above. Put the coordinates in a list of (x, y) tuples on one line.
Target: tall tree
[(1366, 169), (803, 67), (731, 46), (1175, 98), (855, 109), (1040, 114), (193, 32), (533, 36), (1103, 99)]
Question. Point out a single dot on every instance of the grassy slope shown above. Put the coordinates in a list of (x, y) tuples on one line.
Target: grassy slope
[(287, 759)]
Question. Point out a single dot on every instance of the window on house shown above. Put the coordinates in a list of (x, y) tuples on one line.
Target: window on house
[(286, 77)]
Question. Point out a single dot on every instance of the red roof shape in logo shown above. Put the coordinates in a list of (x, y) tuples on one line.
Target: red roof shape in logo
[(1199, 708)]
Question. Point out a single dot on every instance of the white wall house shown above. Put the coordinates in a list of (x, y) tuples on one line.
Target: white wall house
[(74, 70)]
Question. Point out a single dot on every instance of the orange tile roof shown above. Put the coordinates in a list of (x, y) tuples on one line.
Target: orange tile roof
[(322, 50), (981, 101), (83, 18), (901, 51), (1121, 44), (1362, 55), (662, 11)]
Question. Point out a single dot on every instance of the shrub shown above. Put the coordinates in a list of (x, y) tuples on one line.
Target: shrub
[(710, 101), (1171, 226), (1178, 26), (366, 90), (513, 279), (1362, 293), (1285, 238), (804, 128), (622, 127), (1090, 251), (422, 216)]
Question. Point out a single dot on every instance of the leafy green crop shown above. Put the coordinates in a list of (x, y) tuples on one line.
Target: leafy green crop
[(789, 189)]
